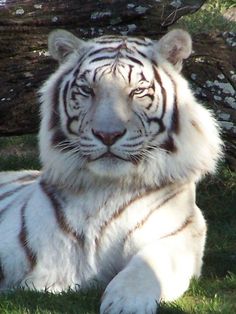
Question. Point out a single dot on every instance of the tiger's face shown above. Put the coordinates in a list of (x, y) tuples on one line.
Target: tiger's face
[(114, 104), (115, 112)]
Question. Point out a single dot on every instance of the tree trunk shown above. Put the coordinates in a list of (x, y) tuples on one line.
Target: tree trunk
[(211, 72)]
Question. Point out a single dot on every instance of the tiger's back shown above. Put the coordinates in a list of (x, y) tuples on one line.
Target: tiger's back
[(122, 143)]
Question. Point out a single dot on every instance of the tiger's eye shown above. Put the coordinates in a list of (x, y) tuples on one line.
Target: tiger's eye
[(138, 90)]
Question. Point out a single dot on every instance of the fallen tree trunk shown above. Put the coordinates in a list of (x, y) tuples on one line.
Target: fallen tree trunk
[(211, 70)]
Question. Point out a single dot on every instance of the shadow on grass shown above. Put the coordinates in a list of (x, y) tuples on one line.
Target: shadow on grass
[(22, 301), (217, 199), (170, 309)]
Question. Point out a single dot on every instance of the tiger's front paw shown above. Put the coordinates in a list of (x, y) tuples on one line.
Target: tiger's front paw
[(127, 295)]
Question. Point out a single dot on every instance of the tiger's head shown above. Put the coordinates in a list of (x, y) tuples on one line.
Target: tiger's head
[(117, 108)]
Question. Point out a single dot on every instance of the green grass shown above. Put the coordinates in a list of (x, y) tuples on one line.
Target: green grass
[(19, 152), (209, 18), (213, 293), (22, 302)]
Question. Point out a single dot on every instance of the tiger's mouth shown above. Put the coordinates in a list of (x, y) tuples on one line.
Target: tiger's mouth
[(112, 157)]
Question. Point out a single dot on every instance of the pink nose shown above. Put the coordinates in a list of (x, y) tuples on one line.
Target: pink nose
[(108, 138)]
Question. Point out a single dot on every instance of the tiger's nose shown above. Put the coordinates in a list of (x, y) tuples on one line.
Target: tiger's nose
[(108, 138)]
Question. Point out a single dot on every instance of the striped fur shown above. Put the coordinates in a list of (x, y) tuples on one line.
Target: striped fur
[(122, 143)]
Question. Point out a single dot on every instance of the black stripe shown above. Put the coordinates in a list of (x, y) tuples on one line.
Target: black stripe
[(80, 61), (185, 224), (169, 145), (52, 196), (120, 211), (106, 41), (74, 96), (175, 117), (76, 72), (98, 69), (134, 137), (104, 49), (10, 193), (64, 96), (143, 78), (141, 120), (152, 210), (134, 60), (158, 121), (25, 178), (124, 78), (132, 145), (102, 58), (139, 43), (149, 106), (87, 145), (55, 116), (23, 238), (83, 75), (142, 54), (58, 137), (175, 127), (130, 72), (154, 63), (106, 70), (163, 91), (81, 123)]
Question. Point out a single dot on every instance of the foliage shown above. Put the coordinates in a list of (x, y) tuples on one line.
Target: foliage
[(209, 18)]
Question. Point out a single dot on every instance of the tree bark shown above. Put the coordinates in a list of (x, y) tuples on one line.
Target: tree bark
[(211, 71)]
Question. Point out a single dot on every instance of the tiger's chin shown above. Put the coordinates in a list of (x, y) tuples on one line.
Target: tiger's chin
[(111, 166)]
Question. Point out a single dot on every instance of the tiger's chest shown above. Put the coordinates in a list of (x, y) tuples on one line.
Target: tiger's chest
[(100, 233), (92, 235)]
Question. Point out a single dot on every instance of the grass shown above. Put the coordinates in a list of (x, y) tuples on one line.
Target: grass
[(209, 18), (18, 153), (213, 293), (22, 302)]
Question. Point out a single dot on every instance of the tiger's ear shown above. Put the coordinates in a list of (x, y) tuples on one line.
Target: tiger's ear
[(62, 43), (175, 46)]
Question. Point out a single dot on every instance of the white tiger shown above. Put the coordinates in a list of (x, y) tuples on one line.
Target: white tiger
[(122, 143)]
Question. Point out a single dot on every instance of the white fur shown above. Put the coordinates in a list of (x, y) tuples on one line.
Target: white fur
[(132, 227)]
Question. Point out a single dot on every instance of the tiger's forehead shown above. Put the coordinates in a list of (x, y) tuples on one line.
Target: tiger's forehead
[(125, 40), (121, 45), (116, 55)]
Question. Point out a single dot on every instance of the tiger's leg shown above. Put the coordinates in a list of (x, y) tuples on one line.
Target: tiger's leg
[(161, 271)]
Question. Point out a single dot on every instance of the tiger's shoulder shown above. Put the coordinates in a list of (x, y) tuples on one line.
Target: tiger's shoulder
[(22, 176), (13, 183)]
